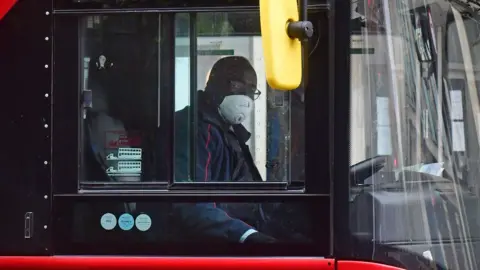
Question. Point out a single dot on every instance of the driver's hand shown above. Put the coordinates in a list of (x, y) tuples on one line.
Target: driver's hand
[(259, 237)]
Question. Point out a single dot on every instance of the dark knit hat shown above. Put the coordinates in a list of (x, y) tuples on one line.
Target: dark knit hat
[(232, 75)]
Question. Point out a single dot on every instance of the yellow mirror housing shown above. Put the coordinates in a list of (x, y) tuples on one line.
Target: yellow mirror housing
[(282, 54)]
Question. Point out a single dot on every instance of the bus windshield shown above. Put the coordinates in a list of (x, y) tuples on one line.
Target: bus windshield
[(415, 130)]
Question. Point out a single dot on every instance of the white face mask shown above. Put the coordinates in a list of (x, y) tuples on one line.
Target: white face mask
[(236, 108)]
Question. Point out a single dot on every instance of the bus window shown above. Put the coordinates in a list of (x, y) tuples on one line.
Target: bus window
[(229, 125), (415, 132), (119, 87), (220, 36)]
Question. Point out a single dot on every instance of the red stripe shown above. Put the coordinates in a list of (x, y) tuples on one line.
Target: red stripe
[(5, 6), (155, 263), (209, 153)]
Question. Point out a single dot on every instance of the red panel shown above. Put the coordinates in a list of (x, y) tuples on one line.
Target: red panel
[(143, 263), (5, 6), (359, 265)]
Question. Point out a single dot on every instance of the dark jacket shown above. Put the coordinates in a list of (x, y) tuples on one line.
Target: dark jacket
[(221, 156)]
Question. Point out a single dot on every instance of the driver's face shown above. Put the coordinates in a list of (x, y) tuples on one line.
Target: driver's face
[(246, 86)]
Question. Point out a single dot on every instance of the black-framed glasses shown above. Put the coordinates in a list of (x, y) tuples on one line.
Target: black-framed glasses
[(245, 89)]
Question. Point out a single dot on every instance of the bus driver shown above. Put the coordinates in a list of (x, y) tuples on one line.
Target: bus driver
[(222, 154)]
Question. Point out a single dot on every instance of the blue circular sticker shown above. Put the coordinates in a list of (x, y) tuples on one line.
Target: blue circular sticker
[(126, 222), (108, 221), (143, 222)]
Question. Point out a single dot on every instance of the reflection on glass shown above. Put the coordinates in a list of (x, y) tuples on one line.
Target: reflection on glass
[(415, 141)]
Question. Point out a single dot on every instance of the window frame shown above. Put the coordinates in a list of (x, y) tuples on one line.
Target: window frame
[(316, 191)]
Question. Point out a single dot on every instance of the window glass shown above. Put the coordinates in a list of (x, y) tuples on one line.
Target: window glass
[(229, 126), (415, 131), (234, 38), (120, 89)]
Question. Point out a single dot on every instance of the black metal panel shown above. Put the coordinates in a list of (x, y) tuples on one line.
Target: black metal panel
[(72, 239), (316, 109), (339, 128), (317, 163), (25, 53), (66, 112)]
